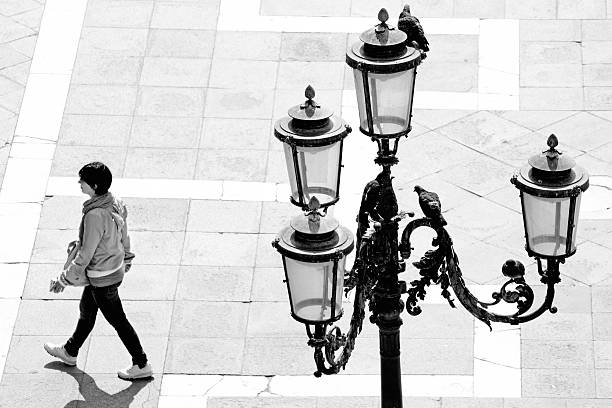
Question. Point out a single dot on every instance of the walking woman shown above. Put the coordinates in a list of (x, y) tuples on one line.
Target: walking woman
[(102, 258)]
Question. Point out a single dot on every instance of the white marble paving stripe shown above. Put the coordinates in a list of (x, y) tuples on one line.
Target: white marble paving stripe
[(32, 150), (498, 54), (192, 389), (498, 64)]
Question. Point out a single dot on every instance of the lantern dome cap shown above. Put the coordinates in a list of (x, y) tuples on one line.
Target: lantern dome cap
[(550, 174), (305, 241), (552, 163), (382, 35), (382, 49), (310, 124)]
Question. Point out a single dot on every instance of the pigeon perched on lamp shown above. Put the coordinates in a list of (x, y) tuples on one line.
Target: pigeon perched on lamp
[(411, 25), (430, 205)]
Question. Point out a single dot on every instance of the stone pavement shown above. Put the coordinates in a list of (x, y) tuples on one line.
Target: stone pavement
[(179, 99)]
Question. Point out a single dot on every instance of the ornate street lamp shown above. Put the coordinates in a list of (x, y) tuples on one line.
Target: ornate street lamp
[(384, 70), (314, 247)]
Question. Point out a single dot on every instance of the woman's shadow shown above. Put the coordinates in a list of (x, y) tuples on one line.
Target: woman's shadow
[(95, 397)]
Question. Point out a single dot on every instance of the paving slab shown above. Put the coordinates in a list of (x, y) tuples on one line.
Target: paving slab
[(214, 284), (235, 103), (584, 9), (103, 390), (218, 249), (176, 72), (602, 327), (118, 14), (557, 354), (603, 379), (224, 216), (107, 354), (561, 326), (144, 214), (247, 45), (436, 78), (201, 319), (87, 130), (157, 248), (226, 164), (16, 390), (568, 383), (27, 356), (113, 41), (237, 133), (153, 131), (480, 9), (321, 75), (181, 43), (525, 9), (551, 98), (243, 74), (204, 356), (170, 101), (313, 47), (269, 285), (68, 160), (165, 163), (107, 70), (198, 16)]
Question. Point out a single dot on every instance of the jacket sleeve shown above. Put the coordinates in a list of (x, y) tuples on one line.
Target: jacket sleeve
[(93, 230), (125, 239)]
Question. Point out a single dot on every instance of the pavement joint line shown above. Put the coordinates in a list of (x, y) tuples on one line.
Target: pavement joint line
[(498, 53)]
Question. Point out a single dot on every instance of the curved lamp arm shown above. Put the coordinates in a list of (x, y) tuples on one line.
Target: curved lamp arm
[(441, 266), (327, 342)]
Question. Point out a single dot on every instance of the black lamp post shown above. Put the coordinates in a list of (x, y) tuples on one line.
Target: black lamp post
[(314, 246)]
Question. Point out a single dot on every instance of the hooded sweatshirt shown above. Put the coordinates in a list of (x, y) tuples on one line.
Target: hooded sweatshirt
[(105, 244)]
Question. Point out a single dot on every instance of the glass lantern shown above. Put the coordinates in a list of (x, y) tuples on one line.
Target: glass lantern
[(312, 139), (314, 257), (550, 189), (384, 69)]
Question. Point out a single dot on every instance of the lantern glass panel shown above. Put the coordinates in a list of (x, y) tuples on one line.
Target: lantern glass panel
[(318, 170), (390, 101), (311, 286), (546, 221)]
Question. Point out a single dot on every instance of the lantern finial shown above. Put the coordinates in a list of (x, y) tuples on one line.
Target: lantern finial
[(552, 153), (383, 16), (310, 105), (309, 92)]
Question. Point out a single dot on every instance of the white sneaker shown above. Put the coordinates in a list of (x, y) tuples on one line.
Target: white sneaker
[(58, 351), (134, 372)]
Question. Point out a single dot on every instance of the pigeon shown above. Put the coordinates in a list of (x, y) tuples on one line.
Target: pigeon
[(367, 209), (411, 25), (430, 204)]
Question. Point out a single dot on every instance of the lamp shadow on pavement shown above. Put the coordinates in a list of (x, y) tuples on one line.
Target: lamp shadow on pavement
[(95, 397)]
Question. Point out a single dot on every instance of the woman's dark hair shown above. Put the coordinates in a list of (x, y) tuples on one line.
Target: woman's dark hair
[(98, 176)]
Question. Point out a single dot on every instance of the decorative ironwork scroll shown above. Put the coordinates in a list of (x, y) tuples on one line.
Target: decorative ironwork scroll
[(441, 266)]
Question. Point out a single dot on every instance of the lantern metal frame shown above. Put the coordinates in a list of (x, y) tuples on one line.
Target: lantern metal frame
[(314, 239), (382, 50), (310, 125), (551, 176)]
